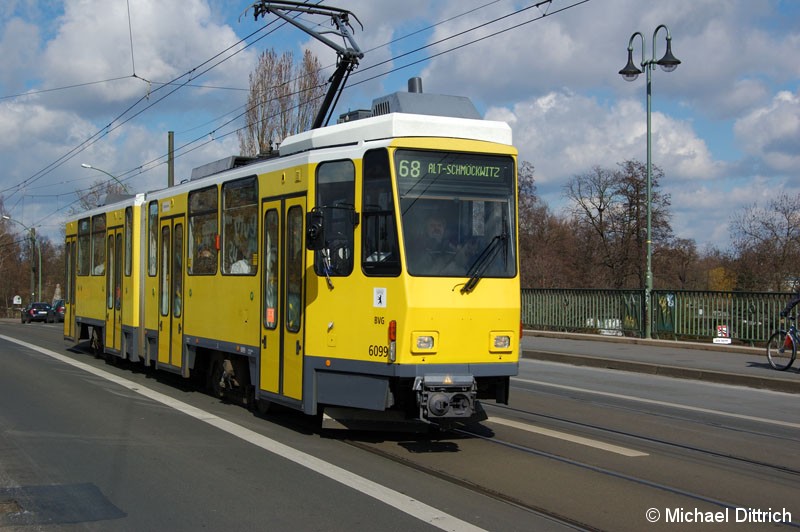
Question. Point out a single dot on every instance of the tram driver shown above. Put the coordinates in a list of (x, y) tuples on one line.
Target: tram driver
[(437, 253)]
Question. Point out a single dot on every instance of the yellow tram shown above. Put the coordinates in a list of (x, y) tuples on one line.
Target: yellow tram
[(369, 270)]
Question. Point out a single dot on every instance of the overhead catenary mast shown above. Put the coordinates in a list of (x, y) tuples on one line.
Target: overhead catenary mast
[(348, 53)]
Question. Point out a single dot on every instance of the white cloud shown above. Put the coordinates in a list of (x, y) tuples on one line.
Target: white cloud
[(565, 134), (772, 133)]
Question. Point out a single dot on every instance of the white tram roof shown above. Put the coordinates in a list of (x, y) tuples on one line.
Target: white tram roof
[(397, 125)]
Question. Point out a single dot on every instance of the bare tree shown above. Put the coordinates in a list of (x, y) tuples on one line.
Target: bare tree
[(545, 240), (99, 193), (767, 242), (282, 101), (609, 208), (676, 263)]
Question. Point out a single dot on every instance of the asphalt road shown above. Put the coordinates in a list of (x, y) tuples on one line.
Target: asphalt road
[(86, 445)]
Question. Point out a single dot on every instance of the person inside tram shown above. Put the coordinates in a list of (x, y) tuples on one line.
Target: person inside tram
[(438, 252), (242, 265), (206, 262)]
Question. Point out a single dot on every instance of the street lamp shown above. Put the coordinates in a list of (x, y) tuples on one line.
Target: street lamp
[(35, 243), (112, 176), (668, 63)]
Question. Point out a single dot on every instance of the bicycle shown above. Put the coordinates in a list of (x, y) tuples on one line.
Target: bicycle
[(782, 347)]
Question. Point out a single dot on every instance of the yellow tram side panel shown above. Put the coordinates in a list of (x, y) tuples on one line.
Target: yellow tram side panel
[(222, 307), (131, 284), (90, 289), (344, 323), (70, 239), (168, 328), (228, 307), (282, 189)]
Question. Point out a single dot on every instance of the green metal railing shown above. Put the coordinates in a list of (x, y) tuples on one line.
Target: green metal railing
[(745, 317)]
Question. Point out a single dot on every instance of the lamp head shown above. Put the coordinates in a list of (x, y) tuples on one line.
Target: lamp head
[(669, 62), (84, 165), (630, 72)]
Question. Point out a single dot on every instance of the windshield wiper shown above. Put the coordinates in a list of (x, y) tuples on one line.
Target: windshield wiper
[(484, 260)]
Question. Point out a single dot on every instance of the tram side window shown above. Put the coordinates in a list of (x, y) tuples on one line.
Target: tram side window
[(177, 270), (111, 272), (84, 247), (202, 242), (240, 227), (98, 244), (152, 247), (128, 241), (336, 202), (380, 256), (165, 264), (294, 269), (271, 271)]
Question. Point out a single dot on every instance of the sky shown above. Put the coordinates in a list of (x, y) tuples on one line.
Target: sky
[(85, 81)]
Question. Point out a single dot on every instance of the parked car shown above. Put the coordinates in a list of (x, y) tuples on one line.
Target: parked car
[(58, 308), (38, 312)]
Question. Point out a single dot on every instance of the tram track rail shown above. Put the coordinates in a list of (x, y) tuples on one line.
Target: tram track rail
[(361, 441), (538, 511), (562, 421)]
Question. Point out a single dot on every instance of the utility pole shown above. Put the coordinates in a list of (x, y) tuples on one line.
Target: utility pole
[(170, 158), (34, 247)]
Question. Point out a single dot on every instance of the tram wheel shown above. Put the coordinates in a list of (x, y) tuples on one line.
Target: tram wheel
[(262, 406), (214, 377), (96, 344)]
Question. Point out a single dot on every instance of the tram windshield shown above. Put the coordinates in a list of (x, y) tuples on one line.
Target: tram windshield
[(457, 212)]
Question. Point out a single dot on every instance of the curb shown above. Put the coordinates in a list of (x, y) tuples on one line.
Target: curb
[(766, 383), (702, 346)]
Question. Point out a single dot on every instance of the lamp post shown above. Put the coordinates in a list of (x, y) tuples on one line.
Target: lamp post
[(668, 63), (112, 176), (34, 243)]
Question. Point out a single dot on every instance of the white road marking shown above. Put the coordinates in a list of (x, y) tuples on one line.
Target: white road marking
[(664, 403), (400, 501), (568, 437)]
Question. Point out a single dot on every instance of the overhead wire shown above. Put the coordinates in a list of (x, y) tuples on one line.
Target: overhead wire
[(183, 84), (214, 135), (181, 151), (94, 138)]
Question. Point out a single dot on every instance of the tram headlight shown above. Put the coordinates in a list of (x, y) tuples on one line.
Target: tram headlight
[(424, 342), (500, 341)]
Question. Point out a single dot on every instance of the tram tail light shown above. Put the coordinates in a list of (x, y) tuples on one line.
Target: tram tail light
[(392, 340)]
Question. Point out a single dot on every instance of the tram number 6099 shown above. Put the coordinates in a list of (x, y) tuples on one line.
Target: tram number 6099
[(379, 350)]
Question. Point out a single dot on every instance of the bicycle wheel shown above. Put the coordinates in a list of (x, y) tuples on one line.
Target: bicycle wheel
[(780, 356)]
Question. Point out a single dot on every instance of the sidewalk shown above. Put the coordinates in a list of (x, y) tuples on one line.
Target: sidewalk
[(726, 364)]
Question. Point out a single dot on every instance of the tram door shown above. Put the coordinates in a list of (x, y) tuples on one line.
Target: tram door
[(114, 289), (170, 292), (70, 248), (282, 298)]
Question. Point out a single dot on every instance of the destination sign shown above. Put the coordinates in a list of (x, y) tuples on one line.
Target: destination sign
[(418, 164)]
